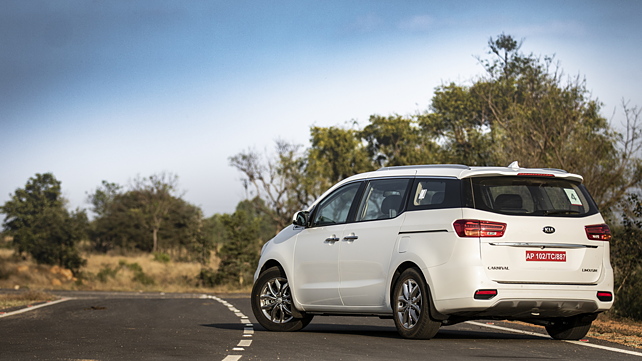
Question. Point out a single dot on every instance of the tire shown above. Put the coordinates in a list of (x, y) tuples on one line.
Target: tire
[(272, 303), (411, 307), (569, 328)]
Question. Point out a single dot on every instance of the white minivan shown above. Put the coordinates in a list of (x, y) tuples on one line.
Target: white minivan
[(434, 245)]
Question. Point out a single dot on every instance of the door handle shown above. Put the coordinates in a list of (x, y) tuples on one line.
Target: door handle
[(351, 237), (332, 239)]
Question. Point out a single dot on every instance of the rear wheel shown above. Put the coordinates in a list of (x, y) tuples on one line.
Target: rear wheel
[(272, 302), (569, 328), (412, 307)]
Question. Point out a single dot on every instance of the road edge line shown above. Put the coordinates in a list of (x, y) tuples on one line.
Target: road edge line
[(27, 309), (248, 328), (580, 343)]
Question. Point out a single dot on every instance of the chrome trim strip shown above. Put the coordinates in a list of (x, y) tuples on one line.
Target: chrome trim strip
[(545, 283), (426, 231), (541, 245)]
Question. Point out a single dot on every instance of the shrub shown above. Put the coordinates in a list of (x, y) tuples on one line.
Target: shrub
[(162, 257), (207, 277), (107, 272)]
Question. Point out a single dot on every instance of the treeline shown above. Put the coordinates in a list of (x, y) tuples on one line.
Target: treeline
[(148, 216), (522, 107)]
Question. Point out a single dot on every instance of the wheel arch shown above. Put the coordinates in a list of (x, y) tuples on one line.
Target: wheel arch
[(297, 308), (436, 315), (271, 263)]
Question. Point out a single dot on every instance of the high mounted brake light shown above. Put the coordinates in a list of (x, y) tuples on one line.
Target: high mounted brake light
[(477, 228), (598, 232), (535, 175)]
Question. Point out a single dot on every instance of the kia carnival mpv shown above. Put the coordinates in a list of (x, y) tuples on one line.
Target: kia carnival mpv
[(437, 245)]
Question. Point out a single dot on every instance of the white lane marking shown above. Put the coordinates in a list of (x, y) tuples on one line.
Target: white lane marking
[(232, 358), (608, 348), (27, 309), (509, 329), (248, 328), (245, 343)]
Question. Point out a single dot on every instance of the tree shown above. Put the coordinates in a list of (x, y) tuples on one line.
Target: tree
[(265, 224), (396, 140), (459, 123), (524, 109), (149, 217), (240, 253), (626, 258), (41, 227), (120, 225), (335, 154), (155, 194), (279, 180), (103, 197), (185, 230)]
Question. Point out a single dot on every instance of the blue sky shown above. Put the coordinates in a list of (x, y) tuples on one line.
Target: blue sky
[(110, 90)]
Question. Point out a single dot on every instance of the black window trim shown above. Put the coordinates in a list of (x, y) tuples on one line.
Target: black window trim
[(351, 212), (419, 178), (404, 200)]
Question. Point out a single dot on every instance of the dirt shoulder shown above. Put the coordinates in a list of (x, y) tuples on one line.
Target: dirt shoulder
[(624, 332), (10, 301)]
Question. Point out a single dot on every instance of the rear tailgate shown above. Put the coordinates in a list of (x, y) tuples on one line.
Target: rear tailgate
[(552, 250)]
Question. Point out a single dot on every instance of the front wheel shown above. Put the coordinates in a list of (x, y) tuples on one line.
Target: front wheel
[(569, 328), (272, 302), (412, 307)]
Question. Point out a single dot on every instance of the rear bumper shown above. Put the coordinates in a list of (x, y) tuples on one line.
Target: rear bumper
[(528, 302)]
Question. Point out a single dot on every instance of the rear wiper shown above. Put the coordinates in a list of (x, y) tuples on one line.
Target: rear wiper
[(560, 211)]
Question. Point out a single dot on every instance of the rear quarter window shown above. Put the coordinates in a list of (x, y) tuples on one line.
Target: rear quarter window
[(435, 193)]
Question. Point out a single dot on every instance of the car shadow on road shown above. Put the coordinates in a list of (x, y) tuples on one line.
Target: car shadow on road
[(446, 334), (363, 330), (386, 331), (391, 332), (225, 326)]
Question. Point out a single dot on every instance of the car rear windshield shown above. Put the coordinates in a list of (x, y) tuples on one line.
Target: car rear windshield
[(532, 196)]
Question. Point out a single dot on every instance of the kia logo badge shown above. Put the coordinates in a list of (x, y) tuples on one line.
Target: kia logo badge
[(548, 229)]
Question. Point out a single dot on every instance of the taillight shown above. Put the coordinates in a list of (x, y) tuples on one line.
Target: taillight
[(604, 296), (485, 294), (598, 232), (477, 228)]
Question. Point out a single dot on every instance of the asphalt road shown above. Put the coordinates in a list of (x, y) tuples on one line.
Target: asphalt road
[(129, 326)]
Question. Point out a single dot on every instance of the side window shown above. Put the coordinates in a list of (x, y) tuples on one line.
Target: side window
[(432, 193), (334, 209), (382, 199)]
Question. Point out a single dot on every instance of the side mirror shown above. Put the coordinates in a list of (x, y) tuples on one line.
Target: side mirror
[(300, 218)]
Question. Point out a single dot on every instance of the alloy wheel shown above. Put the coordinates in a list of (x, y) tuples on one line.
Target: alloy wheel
[(276, 300), (409, 304)]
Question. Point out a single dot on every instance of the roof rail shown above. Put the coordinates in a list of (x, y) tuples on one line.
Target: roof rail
[(451, 166)]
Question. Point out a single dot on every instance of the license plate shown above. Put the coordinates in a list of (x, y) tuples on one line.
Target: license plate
[(546, 256)]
